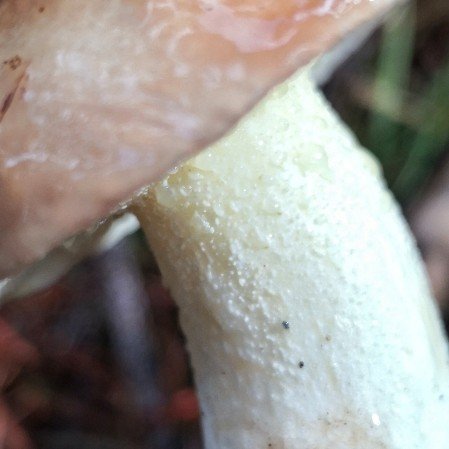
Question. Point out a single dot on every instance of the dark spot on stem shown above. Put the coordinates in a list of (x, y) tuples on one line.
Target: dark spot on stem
[(41, 8), (285, 324), (328, 338), (301, 364)]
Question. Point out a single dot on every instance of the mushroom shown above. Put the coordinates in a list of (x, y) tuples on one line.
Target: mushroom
[(100, 98), (303, 298), (306, 309)]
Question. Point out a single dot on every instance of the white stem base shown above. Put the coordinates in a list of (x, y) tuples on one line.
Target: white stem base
[(302, 296)]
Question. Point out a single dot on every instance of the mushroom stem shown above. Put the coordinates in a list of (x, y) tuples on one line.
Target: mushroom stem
[(302, 296)]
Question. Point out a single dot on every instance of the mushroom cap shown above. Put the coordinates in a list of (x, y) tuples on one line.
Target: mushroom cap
[(100, 98), (100, 237)]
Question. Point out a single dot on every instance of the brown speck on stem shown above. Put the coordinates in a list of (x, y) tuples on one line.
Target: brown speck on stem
[(41, 9)]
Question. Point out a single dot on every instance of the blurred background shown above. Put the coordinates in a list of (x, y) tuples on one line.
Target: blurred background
[(97, 361)]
